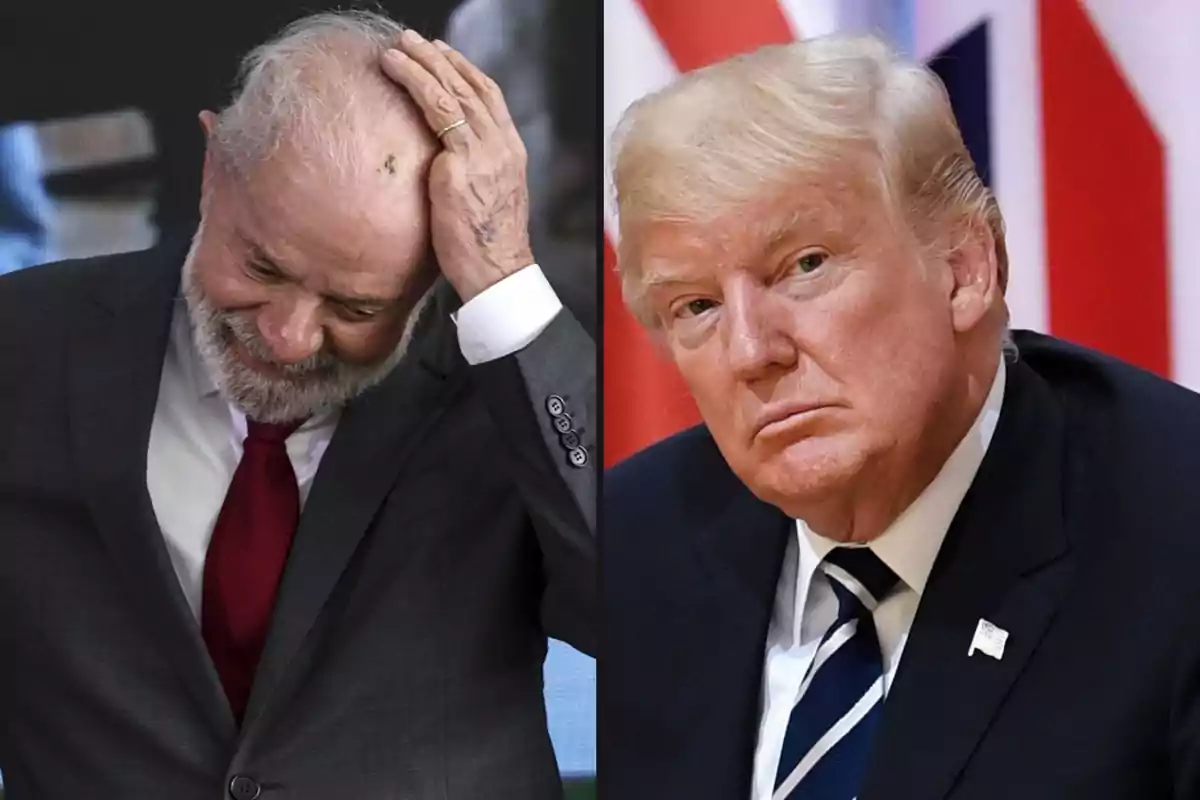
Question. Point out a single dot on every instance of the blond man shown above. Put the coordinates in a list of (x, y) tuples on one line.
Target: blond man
[(908, 554)]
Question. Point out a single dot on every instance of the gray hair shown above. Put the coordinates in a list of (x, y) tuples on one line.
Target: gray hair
[(720, 136), (284, 88)]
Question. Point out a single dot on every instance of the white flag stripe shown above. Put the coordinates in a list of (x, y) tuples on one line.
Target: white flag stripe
[(809, 18), (635, 64), (832, 736), (1183, 238), (1017, 172)]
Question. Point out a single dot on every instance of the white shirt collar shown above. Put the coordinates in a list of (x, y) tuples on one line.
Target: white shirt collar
[(911, 543)]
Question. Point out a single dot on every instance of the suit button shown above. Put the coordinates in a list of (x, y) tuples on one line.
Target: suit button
[(562, 424), (243, 788), (555, 405), (570, 440), (578, 457)]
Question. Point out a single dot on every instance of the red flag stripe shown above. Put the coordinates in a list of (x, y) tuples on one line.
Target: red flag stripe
[(645, 399), (1105, 190), (700, 33)]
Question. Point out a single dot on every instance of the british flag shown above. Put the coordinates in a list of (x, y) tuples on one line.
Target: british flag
[(1079, 113)]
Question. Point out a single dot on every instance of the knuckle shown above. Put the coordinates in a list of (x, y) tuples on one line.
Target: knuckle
[(426, 93), (446, 104), (492, 88)]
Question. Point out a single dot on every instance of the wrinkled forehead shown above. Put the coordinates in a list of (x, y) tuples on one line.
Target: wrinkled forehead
[(832, 209), (306, 219)]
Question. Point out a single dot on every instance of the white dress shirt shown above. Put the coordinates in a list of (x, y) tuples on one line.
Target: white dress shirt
[(196, 437), (805, 605)]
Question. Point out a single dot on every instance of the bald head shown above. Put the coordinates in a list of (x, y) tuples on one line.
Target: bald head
[(315, 99)]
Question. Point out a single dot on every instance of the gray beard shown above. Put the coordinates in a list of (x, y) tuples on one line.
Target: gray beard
[(314, 386)]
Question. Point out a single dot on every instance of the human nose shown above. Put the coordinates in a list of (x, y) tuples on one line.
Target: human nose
[(292, 329), (757, 341)]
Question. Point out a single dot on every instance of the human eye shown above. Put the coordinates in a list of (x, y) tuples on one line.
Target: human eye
[(263, 272), (809, 261), (355, 313), (694, 307)]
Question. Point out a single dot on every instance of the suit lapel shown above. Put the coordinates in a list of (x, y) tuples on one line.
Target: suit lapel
[(740, 554), (357, 472), (114, 366), (1001, 561)]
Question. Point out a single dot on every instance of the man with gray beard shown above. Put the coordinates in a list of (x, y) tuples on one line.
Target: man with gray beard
[(292, 513)]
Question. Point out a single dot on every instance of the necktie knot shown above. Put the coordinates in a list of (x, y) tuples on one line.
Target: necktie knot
[(830, 731), (864, 567), (270, 432)]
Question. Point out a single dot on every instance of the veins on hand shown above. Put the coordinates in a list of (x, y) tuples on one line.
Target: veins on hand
[(485, 232)]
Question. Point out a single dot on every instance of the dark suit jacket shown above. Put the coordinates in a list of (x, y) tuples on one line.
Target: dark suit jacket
[(1080, 536), (445, 536)]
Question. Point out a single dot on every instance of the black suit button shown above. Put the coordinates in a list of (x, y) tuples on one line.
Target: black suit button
[(570, 440), (243, 788), (555, 405), (578, 457), (562, 424)]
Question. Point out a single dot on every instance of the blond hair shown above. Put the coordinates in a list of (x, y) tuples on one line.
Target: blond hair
[(725, 134)]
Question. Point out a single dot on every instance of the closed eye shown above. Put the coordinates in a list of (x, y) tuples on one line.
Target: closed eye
[(354, 313), (264, 273)]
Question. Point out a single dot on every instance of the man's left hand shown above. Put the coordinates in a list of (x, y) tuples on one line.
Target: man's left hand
[(478, 191)]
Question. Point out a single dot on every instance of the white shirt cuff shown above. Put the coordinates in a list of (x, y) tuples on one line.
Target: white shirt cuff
[(506, 316)]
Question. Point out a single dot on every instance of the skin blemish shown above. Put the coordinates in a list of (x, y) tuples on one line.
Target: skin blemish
[(390, 164)]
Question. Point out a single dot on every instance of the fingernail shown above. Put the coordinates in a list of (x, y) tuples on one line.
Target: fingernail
[(410, 35), (440, 45), (395, 55)]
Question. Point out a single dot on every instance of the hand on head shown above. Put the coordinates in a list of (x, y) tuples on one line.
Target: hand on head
[(329, 204), (478, 192)]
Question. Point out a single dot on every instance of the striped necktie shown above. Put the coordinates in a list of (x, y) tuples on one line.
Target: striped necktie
[(830, 729)]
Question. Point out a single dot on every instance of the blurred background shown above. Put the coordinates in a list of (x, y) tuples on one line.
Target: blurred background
[(101, 150), (1080, 115)]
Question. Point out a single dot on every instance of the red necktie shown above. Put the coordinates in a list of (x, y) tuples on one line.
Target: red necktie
[(246, 557)]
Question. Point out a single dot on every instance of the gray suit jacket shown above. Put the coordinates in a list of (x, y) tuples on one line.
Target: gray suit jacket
[(446, 536)]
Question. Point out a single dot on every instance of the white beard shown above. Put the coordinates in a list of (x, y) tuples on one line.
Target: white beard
[(308, 388)]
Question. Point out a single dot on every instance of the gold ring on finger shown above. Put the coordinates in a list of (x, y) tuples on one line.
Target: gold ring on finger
[(450, 127)]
